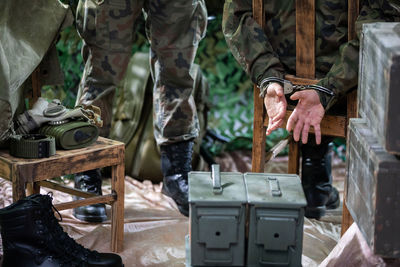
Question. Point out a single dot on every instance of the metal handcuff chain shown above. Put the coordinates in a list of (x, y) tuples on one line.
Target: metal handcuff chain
[(289, 87)]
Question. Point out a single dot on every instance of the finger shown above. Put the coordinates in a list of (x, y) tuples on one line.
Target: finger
[(304, 133), (279, 116), (273, 126), (317, 132), (277, 124), (291, 121), (297, 130), (296, 96), (268, 131)]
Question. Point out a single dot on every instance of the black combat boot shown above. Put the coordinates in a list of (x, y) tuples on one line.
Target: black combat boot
[(32, 237), (90, 181), (317, 180), (176, 163)]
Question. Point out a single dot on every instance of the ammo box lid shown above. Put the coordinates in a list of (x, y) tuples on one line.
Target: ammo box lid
[(201, 188), (272, 190)]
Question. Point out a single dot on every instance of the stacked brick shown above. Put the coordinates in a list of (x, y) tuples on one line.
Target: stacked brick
[(373, 165)]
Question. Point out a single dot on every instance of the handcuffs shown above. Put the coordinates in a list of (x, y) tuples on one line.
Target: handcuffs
[(289, 87)]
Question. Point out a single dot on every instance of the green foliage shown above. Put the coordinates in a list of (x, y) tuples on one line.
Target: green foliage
[(231, 93), (68, 47)]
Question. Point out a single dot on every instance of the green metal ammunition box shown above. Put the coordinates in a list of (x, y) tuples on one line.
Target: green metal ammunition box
[(217, 218), (276, 216)]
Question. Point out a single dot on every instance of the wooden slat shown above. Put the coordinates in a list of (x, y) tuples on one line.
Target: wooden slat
[(103, 153), (65, 189), (117, 211), (258, 12), (5, 169), (353, 11), (258, 151), (294, 159), (108, 199), (305, 38), (36, 87), (331, 125), (18, 185), (300, 81)]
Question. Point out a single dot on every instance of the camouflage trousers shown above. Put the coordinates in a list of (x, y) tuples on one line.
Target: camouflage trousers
[(174, 29)]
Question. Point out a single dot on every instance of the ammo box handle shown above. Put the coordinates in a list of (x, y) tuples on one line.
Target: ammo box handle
[(274, 187), (216, 177)]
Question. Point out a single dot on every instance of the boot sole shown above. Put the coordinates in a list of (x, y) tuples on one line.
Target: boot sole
[(315, 212), (86, 218), (318, 212)]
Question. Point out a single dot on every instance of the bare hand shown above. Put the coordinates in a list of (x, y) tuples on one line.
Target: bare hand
[(275, 104), (308, 112)]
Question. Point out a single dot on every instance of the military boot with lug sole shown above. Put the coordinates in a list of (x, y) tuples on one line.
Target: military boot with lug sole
[(33, 237), (176, 163), (90, 181), (317, 180)]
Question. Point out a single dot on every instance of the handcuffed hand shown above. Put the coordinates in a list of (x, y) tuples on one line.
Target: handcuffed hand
[(308, 112), (275, 104)]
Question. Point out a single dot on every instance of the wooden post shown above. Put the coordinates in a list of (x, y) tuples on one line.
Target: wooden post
[(36, 87), (294, 160), (353, 11), (305, 38), (258, 151)]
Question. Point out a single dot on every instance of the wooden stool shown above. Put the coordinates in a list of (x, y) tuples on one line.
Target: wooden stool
[(35, 172)]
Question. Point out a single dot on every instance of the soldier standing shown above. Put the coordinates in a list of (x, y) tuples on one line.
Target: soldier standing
[(268, 55), (174, 29)]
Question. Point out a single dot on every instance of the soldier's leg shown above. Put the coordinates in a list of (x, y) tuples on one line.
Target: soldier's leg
[(106, 28), (175, 29), (107, 31), (317, 178)]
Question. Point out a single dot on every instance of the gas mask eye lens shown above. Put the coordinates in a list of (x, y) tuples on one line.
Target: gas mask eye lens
[(54, 111)]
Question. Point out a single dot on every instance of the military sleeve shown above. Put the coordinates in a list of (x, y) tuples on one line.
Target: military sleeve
[(248, 42), (343, 75)]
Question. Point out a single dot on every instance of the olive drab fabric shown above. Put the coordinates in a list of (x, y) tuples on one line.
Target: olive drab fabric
[(27, 30), (273, 53), (132, 119), (174, 29)]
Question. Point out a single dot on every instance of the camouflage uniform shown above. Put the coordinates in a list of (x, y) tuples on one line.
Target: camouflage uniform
[(273, 53), (174, 30)]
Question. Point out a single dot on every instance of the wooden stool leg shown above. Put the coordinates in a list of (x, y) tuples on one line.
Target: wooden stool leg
[(294, 157), (32, 188), (117, 212), (18, 185)]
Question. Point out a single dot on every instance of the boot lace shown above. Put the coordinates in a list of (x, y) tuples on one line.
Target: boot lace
[(67, 247)]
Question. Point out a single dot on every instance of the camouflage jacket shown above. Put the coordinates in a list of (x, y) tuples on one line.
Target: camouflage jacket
[(273, 53)]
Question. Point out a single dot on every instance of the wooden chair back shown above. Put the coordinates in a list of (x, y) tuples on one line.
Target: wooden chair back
[(331, 125)]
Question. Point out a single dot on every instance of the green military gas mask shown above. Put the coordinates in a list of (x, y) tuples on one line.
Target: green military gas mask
[(53, 113), (71, 128)]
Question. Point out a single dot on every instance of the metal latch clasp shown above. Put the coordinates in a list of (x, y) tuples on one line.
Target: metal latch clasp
[(216, 177), (274, 187)]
